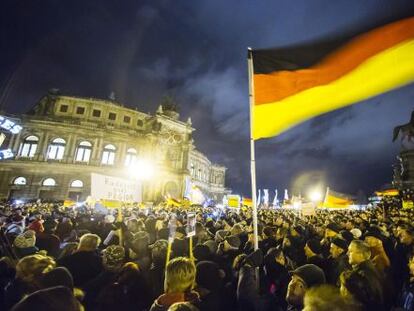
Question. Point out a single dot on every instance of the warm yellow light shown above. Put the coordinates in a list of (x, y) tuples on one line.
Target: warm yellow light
[(142, 169), (315, 196)]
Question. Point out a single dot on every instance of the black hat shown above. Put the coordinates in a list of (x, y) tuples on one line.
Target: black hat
[(59, 276), (59, 298), (311, 274), (314, 245), (346, 235), (233, 240), (340, 243), (374, 232), (255, 259), (334, 227), (201, 252), (208, 275)]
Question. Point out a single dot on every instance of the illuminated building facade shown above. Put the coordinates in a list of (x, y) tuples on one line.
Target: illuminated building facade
[(64, 139)]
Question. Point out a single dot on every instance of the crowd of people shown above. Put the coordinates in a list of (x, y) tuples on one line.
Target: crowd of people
[(76, 258)]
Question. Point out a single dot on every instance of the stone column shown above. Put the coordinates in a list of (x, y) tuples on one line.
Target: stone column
[(42, 148)]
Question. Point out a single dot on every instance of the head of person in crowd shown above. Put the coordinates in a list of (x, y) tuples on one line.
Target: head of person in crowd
[(89, 242), (358, 252), (238, 263), (374, 240), (58, 298), (406, 235), (25, 244), (312, 248), (358, 286), (208, 276), (113, 257), (183, 306), (221, 235), (236, 229), (139, 243), (31, 269), (68, 249), (179, 275), (303, 278), (327, 298), (332, 229), (50, 225), (159, 252), (281, 233), (346, 235), (59, 276), (231, 242), (133, 225), (338, 247)]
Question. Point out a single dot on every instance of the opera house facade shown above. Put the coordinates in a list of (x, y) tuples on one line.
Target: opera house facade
[(65, 139)]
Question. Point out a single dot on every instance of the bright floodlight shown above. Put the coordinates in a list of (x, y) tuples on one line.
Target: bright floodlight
[(315, 196), (142, 170)]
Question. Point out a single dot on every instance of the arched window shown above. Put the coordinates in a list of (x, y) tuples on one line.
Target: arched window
[(29, 146), (108, 155), (76, 184), (20, 181), (131, 157), (50, 182), (56, 149), (83, 152)]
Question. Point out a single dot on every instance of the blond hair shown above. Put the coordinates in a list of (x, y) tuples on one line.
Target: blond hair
[(179, 275), (89, 242), (31, 268)]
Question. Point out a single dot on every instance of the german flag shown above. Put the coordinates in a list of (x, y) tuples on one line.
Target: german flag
[(295, 84), (334, 199)]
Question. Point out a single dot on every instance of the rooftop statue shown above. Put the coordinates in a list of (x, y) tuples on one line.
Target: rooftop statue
[(407, 131)]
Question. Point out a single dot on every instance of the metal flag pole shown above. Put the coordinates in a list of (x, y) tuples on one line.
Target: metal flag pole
[(252, 154)]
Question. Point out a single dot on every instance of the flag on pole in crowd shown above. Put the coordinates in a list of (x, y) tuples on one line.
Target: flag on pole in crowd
[(334, 199), (266, 197), (295, 84), (258, 198), (275, 201), (286, 197), (247, 202)]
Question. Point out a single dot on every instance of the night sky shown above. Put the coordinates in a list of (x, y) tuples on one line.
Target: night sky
[(195, 51)]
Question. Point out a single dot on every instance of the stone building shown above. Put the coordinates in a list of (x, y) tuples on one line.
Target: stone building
[(65, 139)]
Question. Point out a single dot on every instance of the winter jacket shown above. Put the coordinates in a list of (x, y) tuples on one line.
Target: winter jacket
[(163, 302)]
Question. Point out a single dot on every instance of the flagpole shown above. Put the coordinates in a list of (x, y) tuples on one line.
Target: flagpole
[(252, 153)]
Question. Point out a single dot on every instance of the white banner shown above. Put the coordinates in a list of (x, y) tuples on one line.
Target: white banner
[(105, 187)]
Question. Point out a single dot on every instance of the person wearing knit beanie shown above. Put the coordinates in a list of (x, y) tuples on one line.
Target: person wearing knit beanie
[(24, 244), (303, 278), (113, 257)]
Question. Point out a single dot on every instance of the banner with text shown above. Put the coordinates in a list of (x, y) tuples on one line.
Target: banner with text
[(105, 187)]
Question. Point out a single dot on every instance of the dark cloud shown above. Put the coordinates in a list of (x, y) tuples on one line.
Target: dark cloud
[(195, 51)]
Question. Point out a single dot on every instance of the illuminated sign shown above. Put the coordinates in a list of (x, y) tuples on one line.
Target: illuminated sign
[(12, 128)]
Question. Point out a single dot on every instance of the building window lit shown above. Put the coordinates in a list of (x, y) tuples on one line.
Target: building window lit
[(20, 181), (49, 182), (56, 149), (28, 147), (83, 152), (108, 155), (96, 113), (131, 157), (76, 184)]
